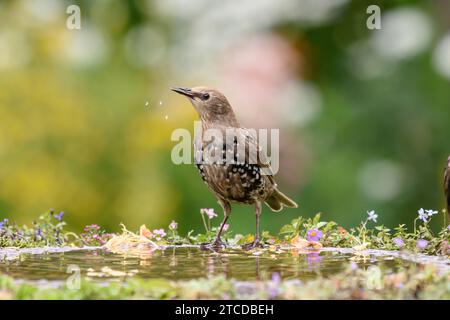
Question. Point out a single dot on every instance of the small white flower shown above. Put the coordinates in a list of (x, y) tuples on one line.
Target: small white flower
[(422, 215), (431, 212), (372, 215)]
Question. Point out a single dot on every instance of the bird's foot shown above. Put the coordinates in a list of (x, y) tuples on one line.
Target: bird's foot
[(253, 245), (216, 245)]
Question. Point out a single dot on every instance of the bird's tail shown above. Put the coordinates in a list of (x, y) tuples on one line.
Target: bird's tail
[(278, 199)]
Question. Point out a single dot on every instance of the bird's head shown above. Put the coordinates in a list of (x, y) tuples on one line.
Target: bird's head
[(211, 105)]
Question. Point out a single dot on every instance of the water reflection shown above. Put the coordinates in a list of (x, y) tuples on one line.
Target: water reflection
[(189, 263)]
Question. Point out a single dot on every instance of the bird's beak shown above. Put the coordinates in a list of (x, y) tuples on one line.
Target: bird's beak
[(185, 92)]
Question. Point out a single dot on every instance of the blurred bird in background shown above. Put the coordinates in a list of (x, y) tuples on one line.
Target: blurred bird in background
[(244, 177), (447, 185)]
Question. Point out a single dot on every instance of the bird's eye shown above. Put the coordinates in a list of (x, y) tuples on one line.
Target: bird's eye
[(205, 96)]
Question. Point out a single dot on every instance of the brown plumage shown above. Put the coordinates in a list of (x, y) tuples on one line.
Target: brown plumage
[(234, 168), (447, 185)]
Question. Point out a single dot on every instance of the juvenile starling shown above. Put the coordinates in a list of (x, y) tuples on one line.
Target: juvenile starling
[(234, 177), (447, 185)]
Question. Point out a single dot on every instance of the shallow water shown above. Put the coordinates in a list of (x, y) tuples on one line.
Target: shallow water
[(189, 263)]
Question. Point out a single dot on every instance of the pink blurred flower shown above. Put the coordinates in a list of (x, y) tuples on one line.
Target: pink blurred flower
[(398, 242), (421, 244), (159, 234), (173, 225), (209, 212)]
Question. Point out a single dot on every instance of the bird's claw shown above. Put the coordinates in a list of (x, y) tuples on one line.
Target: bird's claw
[(216, 245), (252, 245)]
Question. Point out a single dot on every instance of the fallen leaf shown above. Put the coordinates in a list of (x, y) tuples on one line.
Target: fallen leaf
[(301, 243), (144, 232)]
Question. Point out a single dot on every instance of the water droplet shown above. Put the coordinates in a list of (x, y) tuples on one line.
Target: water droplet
[(146, 104), (166, 117)]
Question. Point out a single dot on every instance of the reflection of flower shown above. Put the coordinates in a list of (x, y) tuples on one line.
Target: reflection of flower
[(421, 244), (276, 278), (209, 212), (273, 287), (314, 235), (372, 215), (398, 242), (313, 259)]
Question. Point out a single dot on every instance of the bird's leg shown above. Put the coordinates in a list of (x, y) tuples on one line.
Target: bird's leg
[(218, 242), (226, 212), (256, 242)]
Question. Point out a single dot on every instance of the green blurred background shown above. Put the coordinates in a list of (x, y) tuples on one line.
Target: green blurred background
[(364, 114)]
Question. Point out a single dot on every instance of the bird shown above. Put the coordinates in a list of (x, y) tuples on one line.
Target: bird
[(447, 185), (243, 177)]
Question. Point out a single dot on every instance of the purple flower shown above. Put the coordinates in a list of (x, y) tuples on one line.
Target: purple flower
[(173, 225), (2, 223), (398, 242), (314, 235), (59, 215), (209, 212), (422, 215), (39, 232), (225, 227), (160, 233), (353, 265), (421, 244)]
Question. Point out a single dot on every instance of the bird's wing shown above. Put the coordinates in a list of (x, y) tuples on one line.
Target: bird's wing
[(254, 153)]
